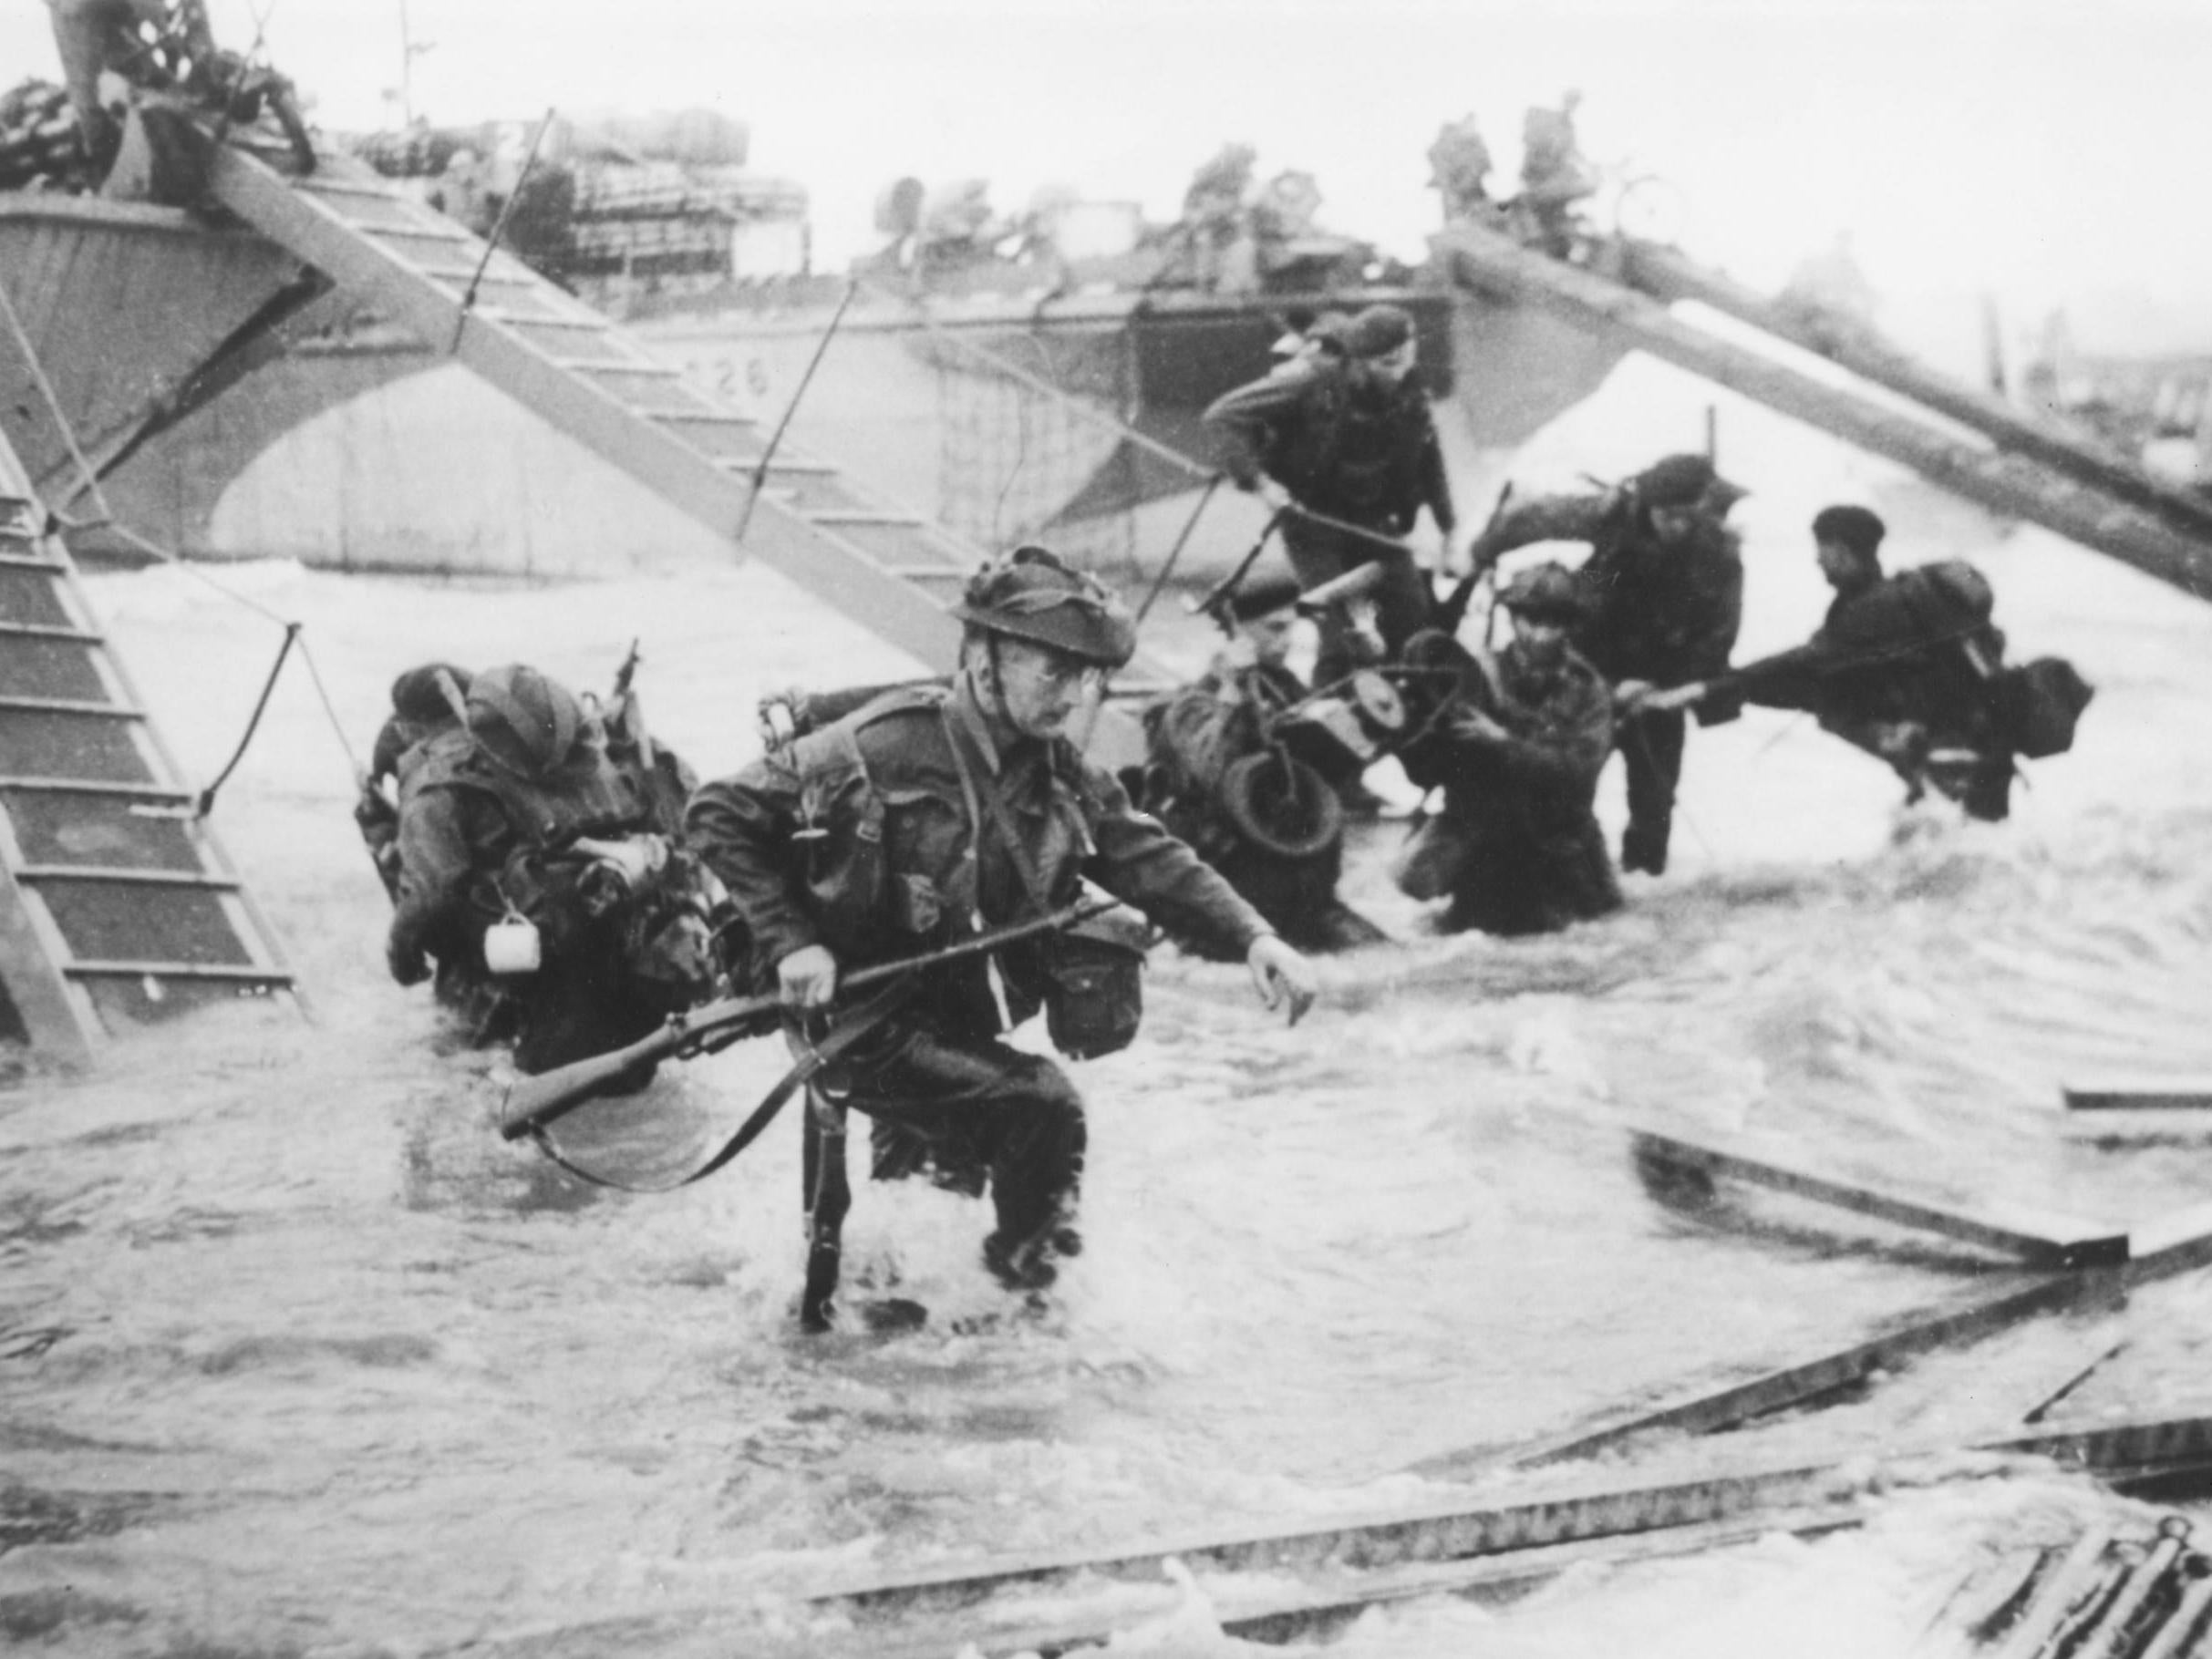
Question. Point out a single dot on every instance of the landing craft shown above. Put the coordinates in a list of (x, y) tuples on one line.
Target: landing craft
[(1076, 377), (111, 361)]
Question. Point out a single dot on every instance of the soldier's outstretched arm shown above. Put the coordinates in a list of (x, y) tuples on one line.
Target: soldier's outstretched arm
[(1543, 518), (1242, 423), (1282, 975)]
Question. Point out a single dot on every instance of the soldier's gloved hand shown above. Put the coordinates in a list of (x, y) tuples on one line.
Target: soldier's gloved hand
[(408, 965), (1278, 973), (807, 978)]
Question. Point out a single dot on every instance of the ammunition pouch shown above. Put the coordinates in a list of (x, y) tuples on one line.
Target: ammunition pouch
[(1094, 984)]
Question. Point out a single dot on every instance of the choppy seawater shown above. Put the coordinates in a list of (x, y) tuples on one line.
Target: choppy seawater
[(297, 1356)]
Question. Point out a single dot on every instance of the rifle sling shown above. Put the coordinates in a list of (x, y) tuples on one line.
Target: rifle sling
[(864, 1019)]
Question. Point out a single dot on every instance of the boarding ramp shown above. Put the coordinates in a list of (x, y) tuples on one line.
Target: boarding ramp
[(1666, 274), (2061, 486), (117, 906), (890, 570)]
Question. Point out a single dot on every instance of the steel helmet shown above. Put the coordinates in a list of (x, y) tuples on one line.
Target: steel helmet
[(524, 720), (1548, 593), (1032, 595)]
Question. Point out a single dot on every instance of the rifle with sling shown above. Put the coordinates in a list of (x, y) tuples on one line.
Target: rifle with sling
[(533, 1103), (1454, 610)]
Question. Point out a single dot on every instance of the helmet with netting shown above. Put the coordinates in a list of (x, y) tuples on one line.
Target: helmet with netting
[(1546, 592), (1034, 596), (525, 720)]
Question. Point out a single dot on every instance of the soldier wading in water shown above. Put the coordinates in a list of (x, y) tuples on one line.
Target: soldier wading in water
[(935, 812)]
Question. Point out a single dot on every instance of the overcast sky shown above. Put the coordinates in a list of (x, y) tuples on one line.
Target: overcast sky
[(2033, 148)]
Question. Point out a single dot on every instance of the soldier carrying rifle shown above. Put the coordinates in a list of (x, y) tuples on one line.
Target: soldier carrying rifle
[(939, 811)]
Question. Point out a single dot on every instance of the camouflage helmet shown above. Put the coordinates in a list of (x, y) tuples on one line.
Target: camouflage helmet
[(524, 719), (420, 698), (1546, 592), (1032, 595)]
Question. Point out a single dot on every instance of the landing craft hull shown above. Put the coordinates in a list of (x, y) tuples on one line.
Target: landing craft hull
[(359, 448), (121, 305)]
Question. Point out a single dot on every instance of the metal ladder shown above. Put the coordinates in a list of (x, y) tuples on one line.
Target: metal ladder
[(890, 570), (117, 905), (2002, 479)]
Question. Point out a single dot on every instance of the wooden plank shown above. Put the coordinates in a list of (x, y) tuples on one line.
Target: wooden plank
[(2188, 1095), (2043, 1241), (1273, 1613), (59, 705), (2170, 1243), (123, 876), (86, 786), (2060, 1588), (177, 970), (1571, 1515), (837, 515), (60, 1022), (1706, 1410), (2158, 1250), (1749, 1493)]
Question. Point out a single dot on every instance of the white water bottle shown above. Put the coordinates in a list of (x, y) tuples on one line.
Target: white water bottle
[(511, 946)]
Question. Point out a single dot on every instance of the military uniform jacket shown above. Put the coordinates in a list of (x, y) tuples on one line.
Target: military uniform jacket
[(1665, 614), (468, 831), (1909, 647), (1535, 786), (1342, 444), (1199, 732), (859, 837)]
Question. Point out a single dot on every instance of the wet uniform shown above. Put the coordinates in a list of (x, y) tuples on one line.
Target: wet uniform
[(1913, 650), (1518, 846), (1348, 445), (1194, 738), (475, 841), (861, 838), (1663, 614)]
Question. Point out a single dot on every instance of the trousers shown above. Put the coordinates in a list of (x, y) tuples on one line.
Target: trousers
[(962, 1109), (1651, 745)]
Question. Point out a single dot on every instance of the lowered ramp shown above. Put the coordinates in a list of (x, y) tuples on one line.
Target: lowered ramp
[(888, 569), (117, 906), (1666, 274), (2077, 503)]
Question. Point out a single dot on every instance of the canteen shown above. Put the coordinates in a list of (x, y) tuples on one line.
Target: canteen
[(513, 946)]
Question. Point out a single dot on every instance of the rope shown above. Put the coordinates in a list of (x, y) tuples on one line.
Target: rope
[(292, 637), (108, 521), (775, 441), (1167, 566), (499, 229), (206, 803)]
